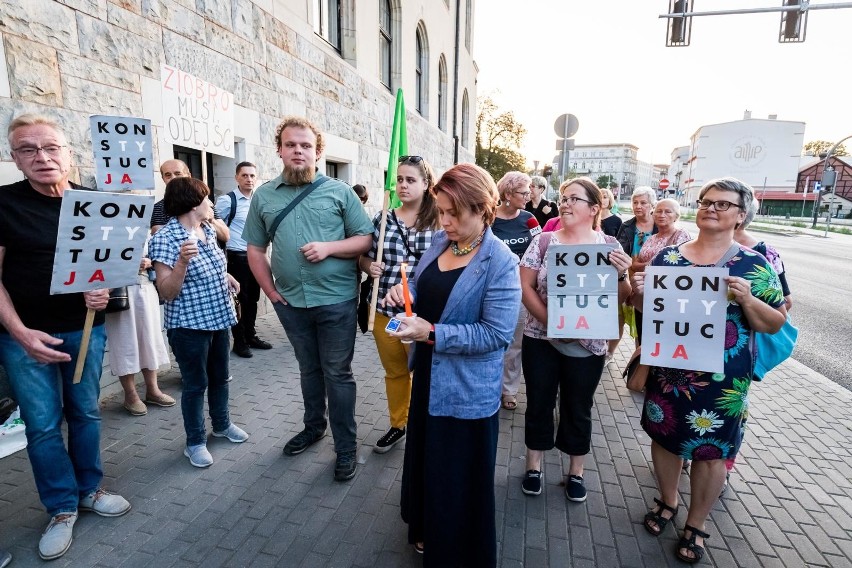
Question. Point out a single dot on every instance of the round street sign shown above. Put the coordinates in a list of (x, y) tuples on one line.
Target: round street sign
[(664, 183), (566, 126)]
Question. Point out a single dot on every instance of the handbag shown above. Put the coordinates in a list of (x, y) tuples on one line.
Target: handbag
[(118, 300), (635, 373), (364, 304), (238, 308), (773, 348)]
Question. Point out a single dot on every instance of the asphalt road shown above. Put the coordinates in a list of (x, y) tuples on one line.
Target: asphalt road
[(819, 272)]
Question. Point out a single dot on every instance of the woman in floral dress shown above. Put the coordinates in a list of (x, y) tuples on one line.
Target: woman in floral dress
[(697, 415)]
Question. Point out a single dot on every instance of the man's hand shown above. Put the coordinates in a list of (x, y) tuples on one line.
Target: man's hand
[(316, 251), (37, 345), (97, 299)]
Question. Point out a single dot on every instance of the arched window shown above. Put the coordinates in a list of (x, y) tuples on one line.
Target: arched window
[(386, 42), (465, 120), (327, 21), (442, 93), (421, 71)]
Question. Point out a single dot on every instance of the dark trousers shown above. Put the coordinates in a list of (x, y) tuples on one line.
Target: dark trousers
[(249, 295), (547, 371)]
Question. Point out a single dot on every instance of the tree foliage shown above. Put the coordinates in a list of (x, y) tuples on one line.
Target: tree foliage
[(606, 181), (817, 147), (498, 137)]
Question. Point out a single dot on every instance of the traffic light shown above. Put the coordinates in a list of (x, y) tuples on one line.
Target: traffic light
[(679, 29), (547, 171), (793, 23)]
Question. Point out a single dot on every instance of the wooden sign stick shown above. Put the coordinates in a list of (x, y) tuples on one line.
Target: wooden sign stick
[(84, 345)]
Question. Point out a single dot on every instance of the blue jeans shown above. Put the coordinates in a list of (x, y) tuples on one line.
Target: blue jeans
[(323, 339), (45, 392), (203, 358)]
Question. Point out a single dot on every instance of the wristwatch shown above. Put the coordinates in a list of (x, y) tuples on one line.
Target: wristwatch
[(430, 340), (622, 277)]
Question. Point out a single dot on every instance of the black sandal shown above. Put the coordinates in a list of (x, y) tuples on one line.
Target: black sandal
[(690, 546), (656, 517)]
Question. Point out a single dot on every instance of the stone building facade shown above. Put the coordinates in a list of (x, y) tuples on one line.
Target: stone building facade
[(339, 63)]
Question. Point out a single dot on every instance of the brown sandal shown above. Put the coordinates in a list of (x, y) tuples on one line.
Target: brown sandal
[(509, 402)]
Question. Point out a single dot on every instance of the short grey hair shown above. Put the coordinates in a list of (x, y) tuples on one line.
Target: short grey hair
[(539, 181), (30, 120), (646, 191), (751, 213), (741, 188)]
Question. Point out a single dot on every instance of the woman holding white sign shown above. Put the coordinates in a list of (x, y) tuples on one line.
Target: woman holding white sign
[(697, 415), (571, 367), (192, 279)]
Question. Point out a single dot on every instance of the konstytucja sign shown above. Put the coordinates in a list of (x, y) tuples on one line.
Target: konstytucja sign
[(100, 240), (582, 292), (683, 325)]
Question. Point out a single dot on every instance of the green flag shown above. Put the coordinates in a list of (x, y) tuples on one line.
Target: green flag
[(398, 147)]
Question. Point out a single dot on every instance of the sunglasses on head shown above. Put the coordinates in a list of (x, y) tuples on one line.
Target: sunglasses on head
[(412, 159)]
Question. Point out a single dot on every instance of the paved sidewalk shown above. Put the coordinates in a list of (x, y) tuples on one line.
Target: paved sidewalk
[(789, 503)]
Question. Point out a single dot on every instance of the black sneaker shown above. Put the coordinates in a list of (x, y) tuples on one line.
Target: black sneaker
[(258, 343), (574, 489), (344, 467), (242, 350), (389, 440), (531, 485), (302, 441)]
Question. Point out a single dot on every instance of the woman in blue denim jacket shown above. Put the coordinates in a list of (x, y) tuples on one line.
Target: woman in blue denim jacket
[(467, 295)]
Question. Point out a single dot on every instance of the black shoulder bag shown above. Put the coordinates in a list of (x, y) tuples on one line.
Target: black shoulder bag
[(305, 192)]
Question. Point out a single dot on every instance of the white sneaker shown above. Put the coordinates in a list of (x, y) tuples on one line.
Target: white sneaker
[(56, 538), (234, 433), (198, 455), (104, 503)]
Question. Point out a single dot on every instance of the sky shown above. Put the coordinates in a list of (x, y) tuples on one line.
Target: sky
[(605, 62)]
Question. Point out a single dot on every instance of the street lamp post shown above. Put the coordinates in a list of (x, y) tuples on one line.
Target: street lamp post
[(829, 177)]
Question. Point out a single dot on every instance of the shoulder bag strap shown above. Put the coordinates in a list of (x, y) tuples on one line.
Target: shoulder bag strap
[(305, 192), (732, 252), (233, 212)]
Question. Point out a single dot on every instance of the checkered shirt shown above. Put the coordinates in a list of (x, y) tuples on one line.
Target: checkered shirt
[(204, 301), (395, 253)]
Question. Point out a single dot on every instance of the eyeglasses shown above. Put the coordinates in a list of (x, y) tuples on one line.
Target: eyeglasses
[(412, 159), (524, 193), (573, 199), (29, 152), (718, 205)]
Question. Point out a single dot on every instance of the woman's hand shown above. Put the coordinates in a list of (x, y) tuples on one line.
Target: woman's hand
[(620, 260), (376, 269), (412, 329), (144, 264), (233, 284), (188, 250), (393, 298), (739, 290), (639, 284)]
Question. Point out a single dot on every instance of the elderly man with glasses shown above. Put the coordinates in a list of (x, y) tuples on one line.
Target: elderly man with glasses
[(538, 205), (41, 334)]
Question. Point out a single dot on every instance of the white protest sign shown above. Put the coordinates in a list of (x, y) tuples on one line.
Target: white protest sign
[(582, 292), (683, 324), (196, 113), (100, 240), (123, 153)]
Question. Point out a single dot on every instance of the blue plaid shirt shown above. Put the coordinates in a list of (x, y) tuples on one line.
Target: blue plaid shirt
[(203, 301)]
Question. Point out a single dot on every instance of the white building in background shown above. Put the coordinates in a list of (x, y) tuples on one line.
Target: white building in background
[(337, 62), (677, 169), (616, 160), (765, 153)]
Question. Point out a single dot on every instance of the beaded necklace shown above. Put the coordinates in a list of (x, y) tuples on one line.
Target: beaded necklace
[(454, 246)]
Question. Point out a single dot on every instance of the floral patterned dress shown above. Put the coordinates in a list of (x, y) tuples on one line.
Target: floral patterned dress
[(698, 415)]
